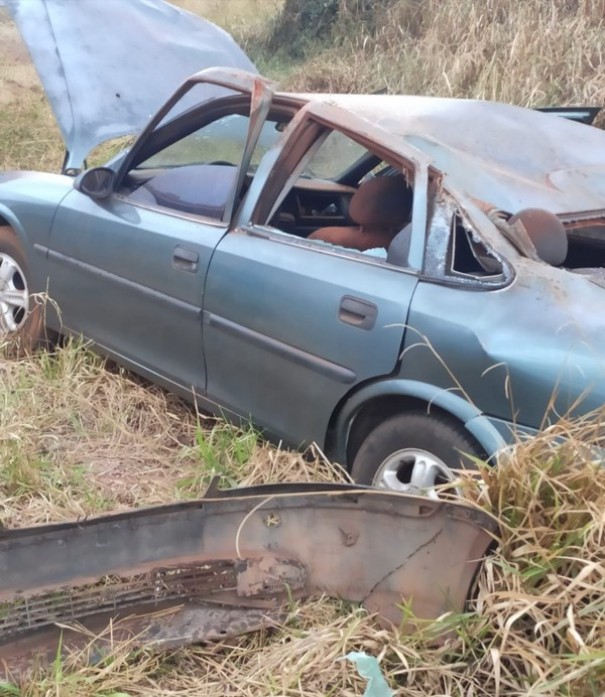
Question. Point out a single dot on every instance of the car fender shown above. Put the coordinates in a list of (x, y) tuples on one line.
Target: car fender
[(478, 425), (28, 203)]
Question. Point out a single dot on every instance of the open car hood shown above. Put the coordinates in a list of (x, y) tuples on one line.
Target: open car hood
[(108, 65)]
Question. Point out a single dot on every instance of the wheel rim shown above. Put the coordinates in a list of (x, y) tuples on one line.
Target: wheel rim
[(414, 471), (13, 295)]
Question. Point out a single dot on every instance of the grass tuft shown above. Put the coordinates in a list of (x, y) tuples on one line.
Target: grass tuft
[(79, 437)]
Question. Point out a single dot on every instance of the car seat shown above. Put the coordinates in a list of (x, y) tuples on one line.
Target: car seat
[(380, 208), (546, 232)]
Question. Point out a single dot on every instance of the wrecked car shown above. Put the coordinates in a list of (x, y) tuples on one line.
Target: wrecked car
[(408, 282)]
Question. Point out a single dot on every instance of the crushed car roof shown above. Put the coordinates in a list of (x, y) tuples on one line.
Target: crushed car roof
[(510, 156), (108, 66)]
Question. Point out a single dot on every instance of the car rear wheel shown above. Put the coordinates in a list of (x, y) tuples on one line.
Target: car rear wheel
[(21, 315), (414, 453)]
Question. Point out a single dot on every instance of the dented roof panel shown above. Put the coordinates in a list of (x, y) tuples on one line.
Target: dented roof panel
[(512, 157)]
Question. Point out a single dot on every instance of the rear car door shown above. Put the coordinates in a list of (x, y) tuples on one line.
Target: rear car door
[(290, 329), (291, 325)]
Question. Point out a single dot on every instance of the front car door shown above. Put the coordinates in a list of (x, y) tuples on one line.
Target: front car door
[(291, 326), (128, 271)]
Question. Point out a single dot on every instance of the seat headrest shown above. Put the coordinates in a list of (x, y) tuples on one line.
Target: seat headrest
[(546, 232), (382, 202)]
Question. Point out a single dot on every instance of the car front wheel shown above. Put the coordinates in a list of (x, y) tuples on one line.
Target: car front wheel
[(21, 315), (414, 453)]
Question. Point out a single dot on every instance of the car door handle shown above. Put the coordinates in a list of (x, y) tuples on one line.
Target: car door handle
[(357, 312), (185, 259)]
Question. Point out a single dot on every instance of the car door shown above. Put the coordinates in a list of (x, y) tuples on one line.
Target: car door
[(292, 326), (290, 329), (128, 270)]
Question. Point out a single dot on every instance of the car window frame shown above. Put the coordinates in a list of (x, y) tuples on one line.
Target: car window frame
[(258, 90), (268, 232), (440, 231), (302, 138), (191, 121), (225, 106)]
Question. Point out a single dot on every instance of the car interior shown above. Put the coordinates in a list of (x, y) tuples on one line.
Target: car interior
[(364, 218), (575, 243), (345, 196), (585, 244)]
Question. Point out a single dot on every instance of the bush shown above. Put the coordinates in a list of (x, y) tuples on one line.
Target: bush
[(528, 52), (306, 25)]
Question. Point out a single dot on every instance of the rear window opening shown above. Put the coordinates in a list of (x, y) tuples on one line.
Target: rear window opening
[(574, 242), (469, 256), (586, 245)]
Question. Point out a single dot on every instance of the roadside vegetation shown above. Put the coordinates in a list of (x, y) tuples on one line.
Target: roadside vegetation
[(528, 52), (81, 437)]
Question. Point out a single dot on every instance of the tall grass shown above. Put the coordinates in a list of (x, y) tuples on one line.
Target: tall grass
[(535, 626), (529, 52), (78, 437)]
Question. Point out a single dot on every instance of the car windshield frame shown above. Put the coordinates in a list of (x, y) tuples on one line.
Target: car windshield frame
[(190, 121)]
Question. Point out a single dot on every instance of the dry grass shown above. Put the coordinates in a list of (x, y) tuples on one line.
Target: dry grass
[(29, 136), (535, 628), (241, 18), (77, 439), (534, 52)]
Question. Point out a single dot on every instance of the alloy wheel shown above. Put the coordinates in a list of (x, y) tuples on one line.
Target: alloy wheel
[(14, 296), (414, 471)]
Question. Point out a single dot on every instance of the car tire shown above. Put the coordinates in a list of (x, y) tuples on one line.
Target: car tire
[(414, 453), (21, 315)]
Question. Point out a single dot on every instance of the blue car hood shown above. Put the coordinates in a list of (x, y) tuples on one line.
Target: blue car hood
[(108, 65)]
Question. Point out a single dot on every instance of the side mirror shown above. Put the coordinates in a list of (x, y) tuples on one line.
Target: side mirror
[(97, 183)]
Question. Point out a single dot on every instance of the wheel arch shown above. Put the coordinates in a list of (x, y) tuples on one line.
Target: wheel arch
[(10, 220), (361, 412)]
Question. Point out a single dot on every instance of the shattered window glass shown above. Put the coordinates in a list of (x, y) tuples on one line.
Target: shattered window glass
[(468, 254)]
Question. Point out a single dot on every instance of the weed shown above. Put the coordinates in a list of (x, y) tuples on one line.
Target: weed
[(223, 452)]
